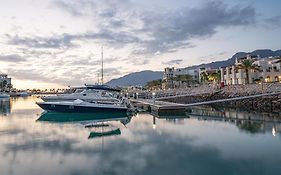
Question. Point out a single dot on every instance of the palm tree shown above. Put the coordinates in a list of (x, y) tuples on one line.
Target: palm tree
[(214, 76), (278, 59), (154, 83), (248, 65), (204, 77)]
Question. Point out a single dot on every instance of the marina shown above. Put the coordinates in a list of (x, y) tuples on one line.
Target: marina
[(140, 87), (221, 136)]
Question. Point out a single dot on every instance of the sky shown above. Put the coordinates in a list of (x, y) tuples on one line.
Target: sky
[(57, 43)]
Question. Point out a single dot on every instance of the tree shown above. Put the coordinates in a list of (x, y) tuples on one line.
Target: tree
[(214, 76), (154, 83), (248, 65), (9, 86), (204, 77), (3, 85), (278, 59)]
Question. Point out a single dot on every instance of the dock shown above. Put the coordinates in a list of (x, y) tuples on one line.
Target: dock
[(162, 107)]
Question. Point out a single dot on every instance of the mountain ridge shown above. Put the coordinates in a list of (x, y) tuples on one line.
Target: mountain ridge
[(142, 77)]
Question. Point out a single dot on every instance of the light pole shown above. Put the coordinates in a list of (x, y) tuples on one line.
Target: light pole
[(153, 97)]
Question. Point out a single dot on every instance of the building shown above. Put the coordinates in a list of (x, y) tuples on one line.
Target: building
[(270, 71), (170, 74), (5, 82), (168, 78)]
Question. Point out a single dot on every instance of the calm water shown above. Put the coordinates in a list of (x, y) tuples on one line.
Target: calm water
[(144, 145)]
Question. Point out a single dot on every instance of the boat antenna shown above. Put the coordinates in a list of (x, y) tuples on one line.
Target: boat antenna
[(101, 64), (98, 78)]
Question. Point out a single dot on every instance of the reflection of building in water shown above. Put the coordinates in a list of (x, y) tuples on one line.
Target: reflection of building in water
[(5, 106), (246, 121), (176, 119)]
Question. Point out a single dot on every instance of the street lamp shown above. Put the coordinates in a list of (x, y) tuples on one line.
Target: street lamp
[(153, 97)]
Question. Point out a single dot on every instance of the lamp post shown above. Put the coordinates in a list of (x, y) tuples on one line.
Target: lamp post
[(153, 97)]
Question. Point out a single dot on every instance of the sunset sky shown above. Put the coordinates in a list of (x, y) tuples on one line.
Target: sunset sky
[(56, 43)]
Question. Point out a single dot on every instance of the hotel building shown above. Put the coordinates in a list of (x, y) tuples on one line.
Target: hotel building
[(270, 71)]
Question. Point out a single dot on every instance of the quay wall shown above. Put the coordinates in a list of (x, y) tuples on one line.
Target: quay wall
[(262, 104)]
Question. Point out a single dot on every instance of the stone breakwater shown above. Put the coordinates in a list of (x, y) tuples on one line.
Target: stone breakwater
[(266, 103)]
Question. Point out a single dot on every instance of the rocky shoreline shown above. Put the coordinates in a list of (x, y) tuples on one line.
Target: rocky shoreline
[(262, 104)]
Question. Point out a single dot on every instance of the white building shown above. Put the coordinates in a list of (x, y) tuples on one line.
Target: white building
[(5, 81), (270, 71), (168, 78)]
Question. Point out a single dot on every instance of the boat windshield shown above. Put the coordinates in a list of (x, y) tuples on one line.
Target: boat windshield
[(106, 94), (78, 90)]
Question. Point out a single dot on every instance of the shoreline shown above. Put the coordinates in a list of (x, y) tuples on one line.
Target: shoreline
[(261, 104)]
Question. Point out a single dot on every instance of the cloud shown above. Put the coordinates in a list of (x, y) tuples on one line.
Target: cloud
[(12, 58), (157, 32), (149, 32), (62, 41), (172, 62), (66, 40), (275, 20)]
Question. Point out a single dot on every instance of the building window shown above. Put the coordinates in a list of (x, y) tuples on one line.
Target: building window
[(267, 79)]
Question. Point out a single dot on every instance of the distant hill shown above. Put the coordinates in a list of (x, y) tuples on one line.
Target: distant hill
[(262, 53), (136, 78), (141, 78)]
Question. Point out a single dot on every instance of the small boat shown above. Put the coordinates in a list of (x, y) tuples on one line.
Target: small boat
[(79, 106), (4, 95), (95, 134)]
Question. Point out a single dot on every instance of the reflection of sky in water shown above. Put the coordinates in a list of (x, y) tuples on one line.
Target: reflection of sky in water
[(188, 146)]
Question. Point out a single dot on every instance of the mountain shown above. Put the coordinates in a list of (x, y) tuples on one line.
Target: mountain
[(136, 78), (262, 53), (141, 78)]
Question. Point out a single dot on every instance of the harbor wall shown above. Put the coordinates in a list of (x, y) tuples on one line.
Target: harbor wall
[(263, 104)]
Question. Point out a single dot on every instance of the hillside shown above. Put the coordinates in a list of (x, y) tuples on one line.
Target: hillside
[(136, 78), (262, 53)]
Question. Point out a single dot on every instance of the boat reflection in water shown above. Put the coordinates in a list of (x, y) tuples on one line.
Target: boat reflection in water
[(100, 124), (5, 106)]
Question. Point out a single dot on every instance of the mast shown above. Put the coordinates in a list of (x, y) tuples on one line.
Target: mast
[(101, 64)]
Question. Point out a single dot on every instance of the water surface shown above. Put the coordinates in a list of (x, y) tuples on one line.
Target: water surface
[(211, 141)]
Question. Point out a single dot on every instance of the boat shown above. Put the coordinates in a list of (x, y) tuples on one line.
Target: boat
[(96, 134), (89, 93), (19, 94), (87, 119), (100, 124), (4, 95), (80, 106)]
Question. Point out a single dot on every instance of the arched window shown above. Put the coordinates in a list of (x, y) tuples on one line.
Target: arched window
[(267, 79)]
